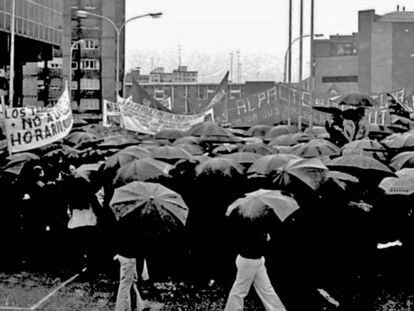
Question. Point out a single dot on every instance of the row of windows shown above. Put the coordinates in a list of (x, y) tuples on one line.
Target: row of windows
[(90, 44), (31, 11), (31, 29), (87, 84), (87, 64), (87, 104), (339, 79)]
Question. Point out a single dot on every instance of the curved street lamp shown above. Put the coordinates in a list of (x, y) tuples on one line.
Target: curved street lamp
[(72, 47), (84, 14), (285, 69)]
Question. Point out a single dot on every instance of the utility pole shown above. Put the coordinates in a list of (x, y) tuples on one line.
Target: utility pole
[(312, 65), (290, 42), (231, 67), (300, 67), (179, 55), (238, 66)]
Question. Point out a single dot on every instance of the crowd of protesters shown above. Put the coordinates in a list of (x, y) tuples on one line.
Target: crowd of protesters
[(53, 219)]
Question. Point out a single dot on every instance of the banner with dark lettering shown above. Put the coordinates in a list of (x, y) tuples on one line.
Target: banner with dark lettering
[(143, 119), (111, 113), (271, 107), (33, 127)]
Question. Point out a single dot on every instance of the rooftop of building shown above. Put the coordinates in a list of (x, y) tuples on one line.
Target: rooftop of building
[(397, 17)]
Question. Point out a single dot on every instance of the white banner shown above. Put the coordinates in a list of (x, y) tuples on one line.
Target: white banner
[(110, 109), (33, 127), (139, 118)]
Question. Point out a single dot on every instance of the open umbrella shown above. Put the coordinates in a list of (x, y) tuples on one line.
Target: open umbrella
[(76, 138), (141, 170), (98, 130), (261, 203), (270, 164), (243, 157), (191, 148), (219, 166), (169, 134), (238, 132), (117, 141), (400, 140), (225, 149), (315, 148), (365, 146), (312, 172), (210, 131), (259, 148), (359, 165), (358, 100), (403, 184), (125, 156), (86, 171), (290, 139), (17, 161), (403, 160), (318, 131), (186, 140), (170, 153), (341, 178), (279, 130), (258, 130), (154, 206)]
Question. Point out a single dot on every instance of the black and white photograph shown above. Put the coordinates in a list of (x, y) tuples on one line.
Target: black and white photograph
[(216, 155)]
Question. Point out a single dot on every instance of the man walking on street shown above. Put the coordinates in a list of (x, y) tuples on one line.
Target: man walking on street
[(251, 269)]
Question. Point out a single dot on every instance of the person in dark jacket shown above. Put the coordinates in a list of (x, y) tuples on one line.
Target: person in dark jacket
[(250, 262)]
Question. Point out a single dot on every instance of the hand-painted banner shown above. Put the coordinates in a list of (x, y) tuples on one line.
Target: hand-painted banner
[(110, 112), (143, 119), (271, 107), (33, 127)]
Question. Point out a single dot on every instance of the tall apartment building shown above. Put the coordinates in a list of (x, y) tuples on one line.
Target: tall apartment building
[(379, 58), (92, 65), (39, 30)]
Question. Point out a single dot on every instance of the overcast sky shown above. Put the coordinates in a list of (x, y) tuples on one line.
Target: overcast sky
[(222, 26)]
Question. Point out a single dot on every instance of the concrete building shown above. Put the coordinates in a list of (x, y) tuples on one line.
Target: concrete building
[(93, 64), (379, 58), (39, 30), (158, 75)]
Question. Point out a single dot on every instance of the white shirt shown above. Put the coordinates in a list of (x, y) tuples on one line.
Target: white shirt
[(81, 218)]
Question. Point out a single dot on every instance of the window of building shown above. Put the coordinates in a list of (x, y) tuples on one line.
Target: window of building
[(90, 64), (90, 84), (89, 7), (74, 85), (74, 65), (91, 44), (55, 87), (339, 79), (159, 94), (89, 104)]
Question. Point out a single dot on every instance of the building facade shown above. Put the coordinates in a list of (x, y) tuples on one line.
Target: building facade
[(39, 29), (379, 58), (92, 65)]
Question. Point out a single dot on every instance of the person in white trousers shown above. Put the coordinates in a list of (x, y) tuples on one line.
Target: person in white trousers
[(251, 269), (128, 297)]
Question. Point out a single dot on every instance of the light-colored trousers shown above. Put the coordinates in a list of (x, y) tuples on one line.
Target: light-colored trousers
[(252, 271), (128, 297)]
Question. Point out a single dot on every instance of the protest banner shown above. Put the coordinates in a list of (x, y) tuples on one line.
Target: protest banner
[(111, 113), (143, 119), (33, 127), (270, 107)]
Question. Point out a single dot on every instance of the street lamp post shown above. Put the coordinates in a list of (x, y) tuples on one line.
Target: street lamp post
[(118, 30), (285, 69), (72, 47)]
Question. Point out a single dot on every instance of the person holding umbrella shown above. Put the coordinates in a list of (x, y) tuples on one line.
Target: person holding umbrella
[(254, 216)]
